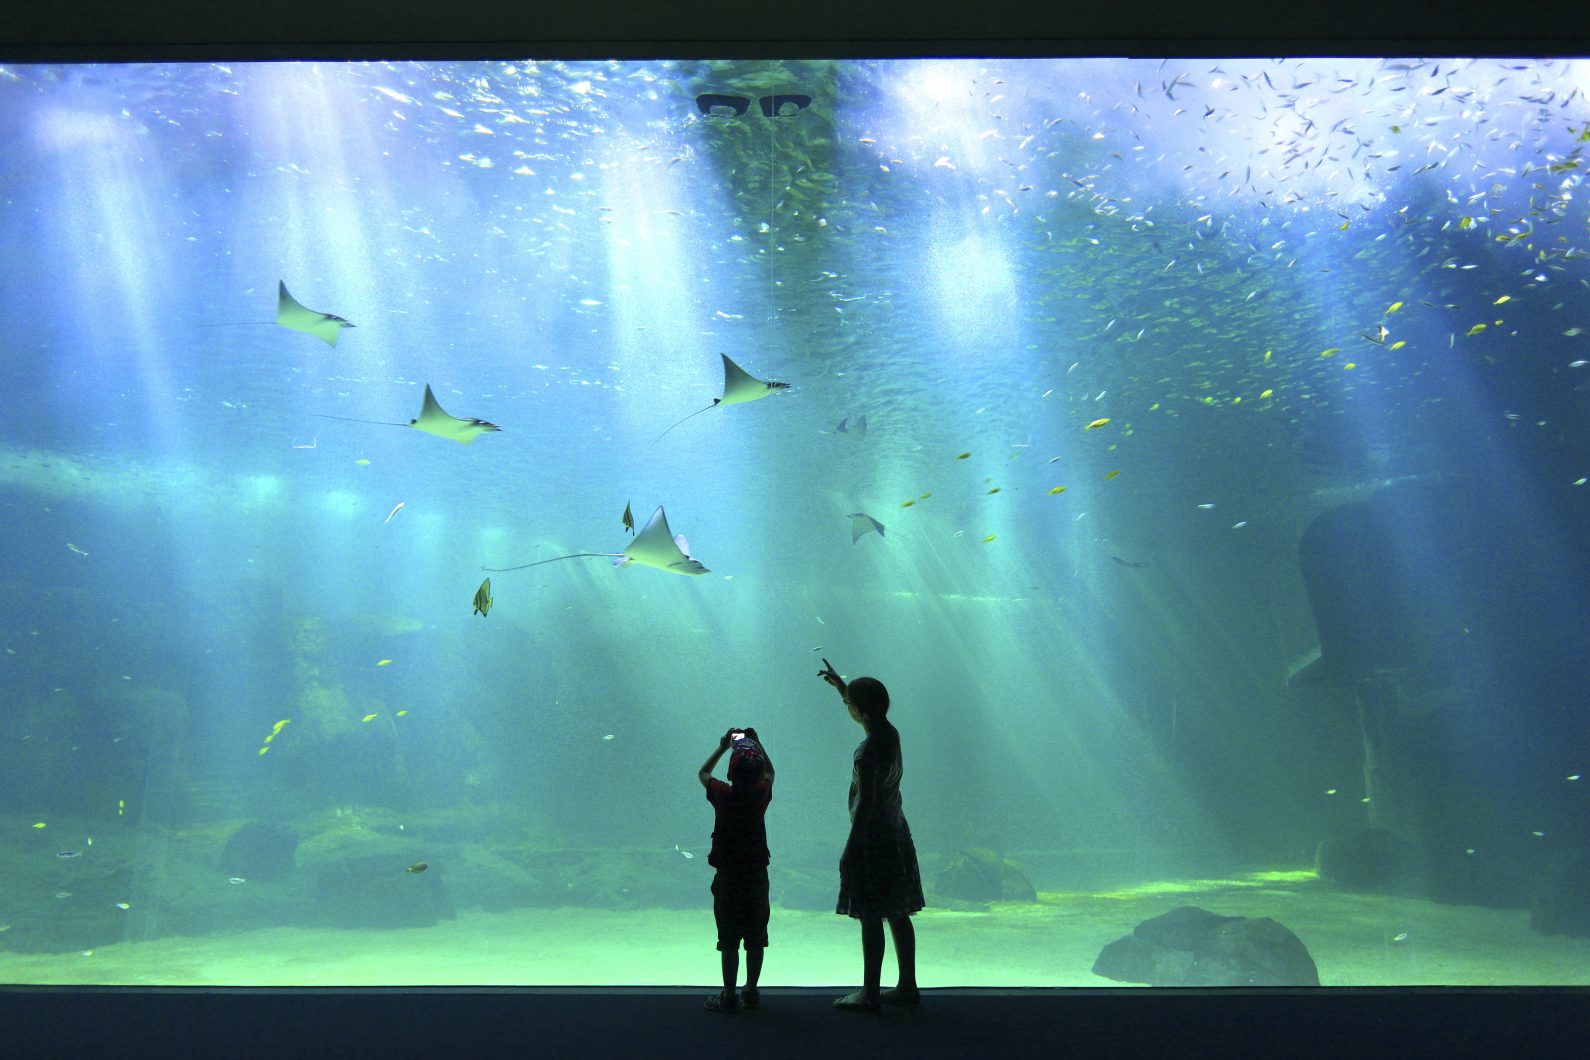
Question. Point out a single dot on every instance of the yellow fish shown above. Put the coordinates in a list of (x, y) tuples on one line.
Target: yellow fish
[(1057, 489), (1267, 356), (401, 713), (1475, 330), (963, 456), (1266, 393), (368, 717), (1111, 474), (1399, 344), (40, 824), (925, 496), (384, 662), (1332, 350), (1393, 307), (1096, 424), (987, 539), (1502, 299), (483, 599), (906, 504), (995, 490), (262, 750), (362, 463)]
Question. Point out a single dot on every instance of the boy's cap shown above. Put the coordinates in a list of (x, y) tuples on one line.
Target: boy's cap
[(746, 759)]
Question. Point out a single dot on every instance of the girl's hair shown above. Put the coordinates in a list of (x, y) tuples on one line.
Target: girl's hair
[(868, 696)]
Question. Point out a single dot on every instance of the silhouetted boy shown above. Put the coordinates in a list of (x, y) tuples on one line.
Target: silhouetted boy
[(739, 853)]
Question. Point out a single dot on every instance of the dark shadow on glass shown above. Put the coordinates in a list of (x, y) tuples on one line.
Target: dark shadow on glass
[(714, 105), (784, 106)]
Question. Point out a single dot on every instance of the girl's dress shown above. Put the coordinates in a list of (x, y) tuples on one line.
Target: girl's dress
[(880, 878)]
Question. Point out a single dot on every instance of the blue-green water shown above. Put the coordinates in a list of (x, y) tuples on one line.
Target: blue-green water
[(1120, 331)]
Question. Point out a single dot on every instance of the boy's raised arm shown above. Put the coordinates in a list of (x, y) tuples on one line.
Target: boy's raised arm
[(767, 761), (704, 774)]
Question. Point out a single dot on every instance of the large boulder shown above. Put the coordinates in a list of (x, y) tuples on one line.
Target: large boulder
[(1194, 947), (977, 874)]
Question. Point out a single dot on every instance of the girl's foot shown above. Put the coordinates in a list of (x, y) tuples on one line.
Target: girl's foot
[(722, 1001), (901, 996), (750, 997), (859, 1001)]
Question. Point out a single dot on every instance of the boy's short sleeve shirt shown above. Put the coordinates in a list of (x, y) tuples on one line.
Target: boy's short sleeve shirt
[(739, 833)]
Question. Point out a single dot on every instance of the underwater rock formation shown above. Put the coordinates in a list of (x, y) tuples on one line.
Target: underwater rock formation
[(1190, 946), (260, 852), (977, 874)]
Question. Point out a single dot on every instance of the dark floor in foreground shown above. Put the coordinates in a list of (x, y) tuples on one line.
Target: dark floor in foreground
[(40, 1022)]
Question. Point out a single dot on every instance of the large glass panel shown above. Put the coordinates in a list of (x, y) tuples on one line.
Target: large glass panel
[(1197, 451)]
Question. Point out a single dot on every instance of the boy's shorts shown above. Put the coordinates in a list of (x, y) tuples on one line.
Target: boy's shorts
[(739, 904)]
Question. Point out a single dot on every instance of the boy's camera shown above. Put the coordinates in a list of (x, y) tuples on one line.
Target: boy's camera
[(736, 735)]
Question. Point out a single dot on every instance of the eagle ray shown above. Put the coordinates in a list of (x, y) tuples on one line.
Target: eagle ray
[(738, 388), (655, 546)]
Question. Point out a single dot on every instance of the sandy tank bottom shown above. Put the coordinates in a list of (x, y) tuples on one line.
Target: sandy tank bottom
[(1355, 939)]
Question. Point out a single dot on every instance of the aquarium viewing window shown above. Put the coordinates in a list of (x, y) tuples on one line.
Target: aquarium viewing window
[(410, 470)]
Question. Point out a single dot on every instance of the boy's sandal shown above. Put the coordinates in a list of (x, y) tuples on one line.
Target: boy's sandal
[(722, 1001), (750, 997), (858, 1001)]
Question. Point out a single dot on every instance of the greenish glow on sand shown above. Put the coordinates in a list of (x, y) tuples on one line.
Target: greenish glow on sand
[(1155, 888), (1355, 940)]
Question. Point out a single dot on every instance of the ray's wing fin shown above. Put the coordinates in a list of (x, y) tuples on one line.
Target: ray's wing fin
[(740, 387), (433, 419), (656, 546), (291, 313), (862, 524)]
